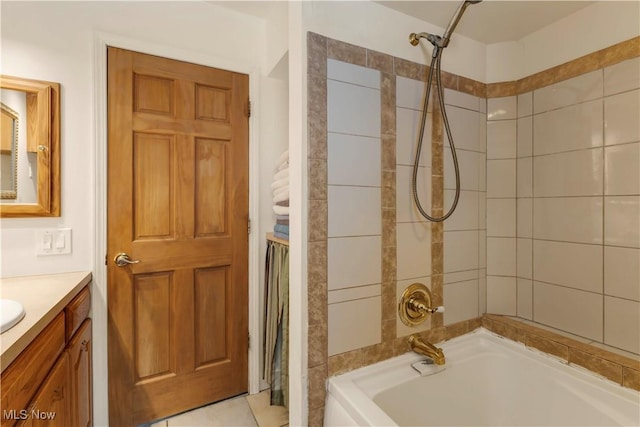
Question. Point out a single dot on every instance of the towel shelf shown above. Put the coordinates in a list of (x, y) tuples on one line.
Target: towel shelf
[(272, 238)]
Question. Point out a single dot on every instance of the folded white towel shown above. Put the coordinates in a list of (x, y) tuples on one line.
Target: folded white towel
[(284, 158), (280, 183), (281, 194), (284, 173), (283, 166), (281, 210)]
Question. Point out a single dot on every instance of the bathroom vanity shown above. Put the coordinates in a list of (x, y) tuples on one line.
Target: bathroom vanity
[(46, 357)]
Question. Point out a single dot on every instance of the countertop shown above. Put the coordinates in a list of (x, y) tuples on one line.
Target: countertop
[(43, 297)]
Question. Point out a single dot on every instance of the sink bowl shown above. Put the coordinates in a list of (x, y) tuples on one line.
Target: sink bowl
[(11, 312)]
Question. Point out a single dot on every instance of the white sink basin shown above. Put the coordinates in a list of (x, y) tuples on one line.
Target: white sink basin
[(11, 312)]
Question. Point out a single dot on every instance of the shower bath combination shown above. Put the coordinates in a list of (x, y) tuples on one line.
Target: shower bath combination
[(439, 43)]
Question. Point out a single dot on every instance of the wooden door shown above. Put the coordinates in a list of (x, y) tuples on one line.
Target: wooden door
[(178, 203)]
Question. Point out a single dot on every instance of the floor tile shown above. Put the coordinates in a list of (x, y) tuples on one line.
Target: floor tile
[(233, 412), (265, 414)]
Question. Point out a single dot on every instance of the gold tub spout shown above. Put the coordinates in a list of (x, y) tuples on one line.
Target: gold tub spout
[(426, 349)]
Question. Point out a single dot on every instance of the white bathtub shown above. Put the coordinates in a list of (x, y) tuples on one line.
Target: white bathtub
[(488, 381)]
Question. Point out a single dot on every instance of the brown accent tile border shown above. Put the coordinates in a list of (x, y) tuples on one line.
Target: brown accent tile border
[(380, 61), (607, 369), (317, 120), (621, 52), (498, 90), (317, 340), (547, 346), (594, 61), (437, 207), (472, 87), (388, 110), (346, 52), (388, 262), (620, 369), (316, 417), (410, 70), (318, 220), (317, 390), (631, 378), (345, 362), (378, 352)]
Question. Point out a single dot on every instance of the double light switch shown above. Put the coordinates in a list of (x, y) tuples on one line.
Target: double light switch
[(55, 241)]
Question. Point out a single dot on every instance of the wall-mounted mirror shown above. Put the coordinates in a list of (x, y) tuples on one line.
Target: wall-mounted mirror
[(9, 122), (30, 132)]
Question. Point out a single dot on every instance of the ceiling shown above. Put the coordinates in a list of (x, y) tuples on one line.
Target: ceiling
[(491, 21)]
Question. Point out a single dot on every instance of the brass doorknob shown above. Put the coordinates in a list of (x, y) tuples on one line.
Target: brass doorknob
[(123, 259)]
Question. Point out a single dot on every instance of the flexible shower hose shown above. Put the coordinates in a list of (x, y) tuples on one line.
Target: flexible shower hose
[(435, 65)]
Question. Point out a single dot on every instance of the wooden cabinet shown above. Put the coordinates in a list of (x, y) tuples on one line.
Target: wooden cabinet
[(52, 404), (49, 383), (80, 355)]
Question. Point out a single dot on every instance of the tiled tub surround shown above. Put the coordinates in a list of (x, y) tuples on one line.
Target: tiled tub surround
[(564, 236), (365, 239), (460, 279)]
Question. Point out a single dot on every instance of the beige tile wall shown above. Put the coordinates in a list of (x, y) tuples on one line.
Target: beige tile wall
[(517, 284), (577, 262)]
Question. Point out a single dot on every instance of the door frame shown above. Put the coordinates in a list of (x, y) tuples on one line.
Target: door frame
[(99, 295)]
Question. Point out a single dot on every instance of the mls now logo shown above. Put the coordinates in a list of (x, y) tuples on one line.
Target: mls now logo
[(36, 414)]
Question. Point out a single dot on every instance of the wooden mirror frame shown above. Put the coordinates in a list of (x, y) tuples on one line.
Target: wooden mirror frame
[(43, 134)]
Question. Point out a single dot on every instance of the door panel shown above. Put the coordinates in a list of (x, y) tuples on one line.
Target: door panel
[(153, 326), (211, 312), (211, 201), (153, 158), (178, 203)]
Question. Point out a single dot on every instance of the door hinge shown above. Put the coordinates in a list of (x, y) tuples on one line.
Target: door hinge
[(105, 259), (248, 340), (248, 108), (249, 226)]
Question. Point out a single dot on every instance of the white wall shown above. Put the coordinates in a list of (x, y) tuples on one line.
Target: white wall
[(56, 43), (595, 27)]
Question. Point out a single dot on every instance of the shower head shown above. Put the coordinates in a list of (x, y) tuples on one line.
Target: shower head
[(455, 19), (442, 42)]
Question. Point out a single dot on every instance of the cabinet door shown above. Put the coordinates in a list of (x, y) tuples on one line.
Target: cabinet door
[(80, 352), (52, 405)]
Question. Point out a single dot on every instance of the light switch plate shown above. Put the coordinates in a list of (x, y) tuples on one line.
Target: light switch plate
[(53, 241)]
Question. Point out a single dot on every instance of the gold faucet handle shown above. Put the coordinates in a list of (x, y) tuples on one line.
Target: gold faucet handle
[(415, 305)]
